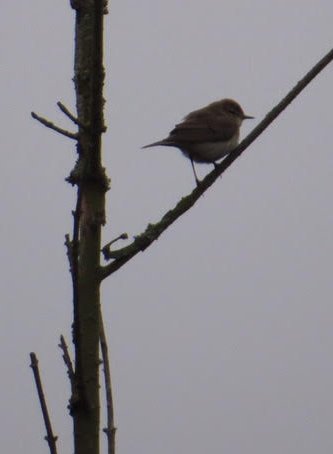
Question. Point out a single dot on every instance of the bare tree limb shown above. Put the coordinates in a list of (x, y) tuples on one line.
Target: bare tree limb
[(72, 248), (106, 250), (50, 438), (67, 361), (74, 269), (153, 231), (92, 184), (55, 128), (68, 114), (110, 430)]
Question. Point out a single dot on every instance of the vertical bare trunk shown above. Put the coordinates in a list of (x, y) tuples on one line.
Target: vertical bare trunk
[(92, 184)]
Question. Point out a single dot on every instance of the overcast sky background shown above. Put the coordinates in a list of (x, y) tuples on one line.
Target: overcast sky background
[(221, 332)]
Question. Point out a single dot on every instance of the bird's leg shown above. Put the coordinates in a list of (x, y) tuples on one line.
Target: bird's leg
[(195, 173), (215, 164)]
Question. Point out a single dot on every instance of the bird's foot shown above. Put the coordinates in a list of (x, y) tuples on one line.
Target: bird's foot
[(197, 181)]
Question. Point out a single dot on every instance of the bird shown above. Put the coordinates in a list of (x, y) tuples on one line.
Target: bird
[(207, 134)]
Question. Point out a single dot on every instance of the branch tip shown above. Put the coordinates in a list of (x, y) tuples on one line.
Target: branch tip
[(106, 250)]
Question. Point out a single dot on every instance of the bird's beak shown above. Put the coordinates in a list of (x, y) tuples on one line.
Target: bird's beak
[(248, 117)]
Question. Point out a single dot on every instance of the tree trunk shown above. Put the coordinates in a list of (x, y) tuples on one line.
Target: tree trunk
[(89, 176)]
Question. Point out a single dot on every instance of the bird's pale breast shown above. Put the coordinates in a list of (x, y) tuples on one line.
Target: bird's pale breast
[(210, 151)]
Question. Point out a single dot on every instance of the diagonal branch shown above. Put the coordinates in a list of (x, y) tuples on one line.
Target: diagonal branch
[(77, 385), (49, 124), (69, 114), (50, 438), (153, 231)]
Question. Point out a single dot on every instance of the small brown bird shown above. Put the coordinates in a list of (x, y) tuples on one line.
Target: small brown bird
[(207, 134)]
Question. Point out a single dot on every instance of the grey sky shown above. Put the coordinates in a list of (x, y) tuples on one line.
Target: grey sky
[(220, 334)]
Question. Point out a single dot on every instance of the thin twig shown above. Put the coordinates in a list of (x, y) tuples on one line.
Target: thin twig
[(79, 395), (50, 438), (69, 114), (72, 248), (75, 255), (55, 128), (68, 362), (106, 250), (110, 430), (153, 231)]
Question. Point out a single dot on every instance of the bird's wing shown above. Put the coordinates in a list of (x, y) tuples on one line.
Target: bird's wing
[(198, 127)]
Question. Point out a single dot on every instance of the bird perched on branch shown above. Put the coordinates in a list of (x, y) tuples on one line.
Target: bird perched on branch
[(208, 134)]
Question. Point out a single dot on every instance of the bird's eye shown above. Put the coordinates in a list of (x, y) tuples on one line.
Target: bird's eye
[(234, 111)]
